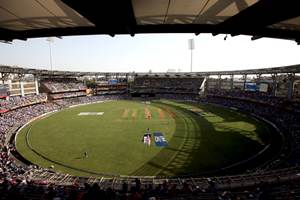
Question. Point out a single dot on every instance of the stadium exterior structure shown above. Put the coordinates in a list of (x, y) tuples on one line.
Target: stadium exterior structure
[(275, 75), (264, 18), (279, 176), (41, 72), (269, 176)]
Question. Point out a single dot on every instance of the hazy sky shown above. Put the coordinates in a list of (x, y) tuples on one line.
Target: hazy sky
[(158, 52)]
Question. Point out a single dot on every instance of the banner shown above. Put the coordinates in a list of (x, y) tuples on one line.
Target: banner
[(112, 81), (263, 87), (250, 87), (160, 140)]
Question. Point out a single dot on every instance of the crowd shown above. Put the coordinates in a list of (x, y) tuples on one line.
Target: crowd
[(284, 114), (15, 181), (12, 120), (14, 102), (185, 97), (15, 118), (67, 95), (168, 82), (167, 85), (85, 99), (257, 96), (63, 85), (136, 189)]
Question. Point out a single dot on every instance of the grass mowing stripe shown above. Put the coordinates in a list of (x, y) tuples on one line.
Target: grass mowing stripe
[(196, 143), (125, 113), (161, 113), (131, 132), (58, 162), (168, 160)]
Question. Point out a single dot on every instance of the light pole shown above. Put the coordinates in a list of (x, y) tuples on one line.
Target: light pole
[(191, 45), (50, 40)]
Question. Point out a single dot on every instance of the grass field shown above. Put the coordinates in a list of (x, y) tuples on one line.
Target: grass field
[(215, 138)]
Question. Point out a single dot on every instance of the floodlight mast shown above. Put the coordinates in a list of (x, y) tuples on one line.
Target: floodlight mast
[(191, 45), (50, 40)]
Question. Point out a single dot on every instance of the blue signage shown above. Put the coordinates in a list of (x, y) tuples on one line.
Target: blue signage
[(112, 81), (160, 140), (250, 87)]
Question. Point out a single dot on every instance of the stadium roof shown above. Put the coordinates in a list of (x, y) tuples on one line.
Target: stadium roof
[(39, 18), (292, 69)]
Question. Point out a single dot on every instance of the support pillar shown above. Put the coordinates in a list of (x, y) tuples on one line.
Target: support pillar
[(274, 78), (257, 82), (291, 79), (22, 88), (36, 86), (231, 82), (245, 80), (206, 86), (258, 79), (9, 88), (219, 82)]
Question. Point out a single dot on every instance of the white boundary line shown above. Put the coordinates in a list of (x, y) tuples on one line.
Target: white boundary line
[(50, 113)]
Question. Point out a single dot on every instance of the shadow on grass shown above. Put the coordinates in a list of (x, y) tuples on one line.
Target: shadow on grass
[(197, 148)]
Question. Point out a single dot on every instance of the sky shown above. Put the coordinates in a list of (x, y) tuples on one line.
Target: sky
[(155, 52)]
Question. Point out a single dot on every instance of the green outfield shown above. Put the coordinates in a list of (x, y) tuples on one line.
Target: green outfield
[(200, 138)]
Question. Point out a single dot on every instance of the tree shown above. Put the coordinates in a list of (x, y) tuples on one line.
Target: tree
[(91, 84)]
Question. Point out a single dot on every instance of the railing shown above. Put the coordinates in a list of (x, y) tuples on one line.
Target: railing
[(223, 182)]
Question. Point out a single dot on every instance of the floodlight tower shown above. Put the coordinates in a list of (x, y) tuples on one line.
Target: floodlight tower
[(50, 40), (191, 45)]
